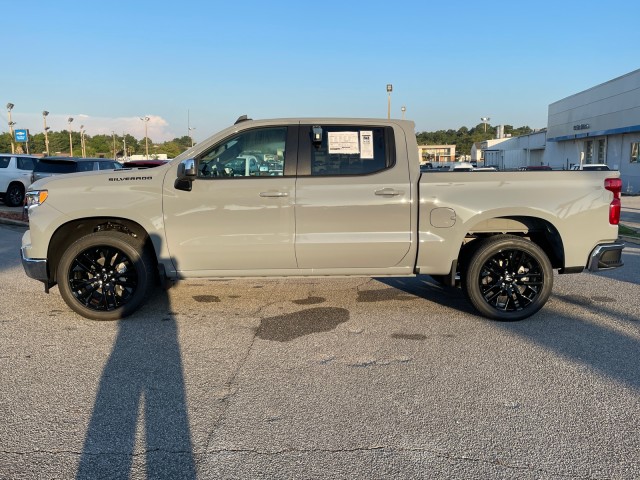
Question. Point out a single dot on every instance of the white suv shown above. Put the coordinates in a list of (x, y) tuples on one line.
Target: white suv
[(15, 177)]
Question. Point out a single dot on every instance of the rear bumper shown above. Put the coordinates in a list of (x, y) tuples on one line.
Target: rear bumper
[(606, 256)]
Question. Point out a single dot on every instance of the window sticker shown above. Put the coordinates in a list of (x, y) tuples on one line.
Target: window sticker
[(366, 144), (343, 142)]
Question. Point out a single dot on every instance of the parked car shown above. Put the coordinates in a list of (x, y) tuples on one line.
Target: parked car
[(144, 163), (15, 177), (535, 168), (598, 167), (461, 167), (426, 166), (50, 166)]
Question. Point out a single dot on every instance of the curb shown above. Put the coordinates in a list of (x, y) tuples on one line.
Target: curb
[(628, 239), (15, 223)]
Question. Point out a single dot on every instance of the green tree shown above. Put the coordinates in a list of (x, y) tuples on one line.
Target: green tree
[(5, 142)]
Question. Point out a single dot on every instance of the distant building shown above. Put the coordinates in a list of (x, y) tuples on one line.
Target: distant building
[(599, 125), (153, 156), (515, 152), (437, 153)]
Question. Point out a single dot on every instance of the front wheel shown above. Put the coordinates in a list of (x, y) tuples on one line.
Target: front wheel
[(14, 196), (508, 278), (105, 275)]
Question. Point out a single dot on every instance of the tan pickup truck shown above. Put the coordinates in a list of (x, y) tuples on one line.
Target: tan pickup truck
[(317, 197)]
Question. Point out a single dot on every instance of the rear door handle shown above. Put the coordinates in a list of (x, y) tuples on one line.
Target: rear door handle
[(389, 192), (274, 194)]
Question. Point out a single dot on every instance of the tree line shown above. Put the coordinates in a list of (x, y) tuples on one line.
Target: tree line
[(110, 146), (464, 137)]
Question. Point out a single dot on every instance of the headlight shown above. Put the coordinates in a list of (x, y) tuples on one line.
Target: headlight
[(33, 198)]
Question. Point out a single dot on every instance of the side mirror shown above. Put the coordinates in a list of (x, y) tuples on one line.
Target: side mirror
[(186, 174), (187, 169)]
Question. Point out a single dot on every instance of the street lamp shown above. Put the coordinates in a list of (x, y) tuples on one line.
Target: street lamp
[(82, 145), (114, 144), (485, 120), (389, 90), (191, 136), (404, 109), (69, 120), (46, 130), (146, 119), (11, 124)]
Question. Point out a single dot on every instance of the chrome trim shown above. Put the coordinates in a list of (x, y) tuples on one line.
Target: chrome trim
[(34, 267), (598, 252)]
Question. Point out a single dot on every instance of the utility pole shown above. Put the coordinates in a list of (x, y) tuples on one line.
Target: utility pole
[(11, 124)]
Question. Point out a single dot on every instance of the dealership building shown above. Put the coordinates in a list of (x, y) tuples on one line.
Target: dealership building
[(598, 125)]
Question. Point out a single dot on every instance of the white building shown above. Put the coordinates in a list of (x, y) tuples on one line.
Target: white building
[(515, 152), (599, 125), (437, 153)]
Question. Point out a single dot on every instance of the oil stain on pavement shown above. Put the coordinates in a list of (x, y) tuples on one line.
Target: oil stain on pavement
[(284, 328)]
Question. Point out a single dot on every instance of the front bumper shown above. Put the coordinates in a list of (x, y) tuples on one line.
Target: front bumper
[(36, 268), (606, 256)]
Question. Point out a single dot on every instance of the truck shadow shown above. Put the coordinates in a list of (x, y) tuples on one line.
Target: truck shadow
[(596, 345), (141, 390), (425, 287)]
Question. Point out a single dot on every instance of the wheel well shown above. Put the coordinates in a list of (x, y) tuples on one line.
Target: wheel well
[(539, 231), (72, 231)]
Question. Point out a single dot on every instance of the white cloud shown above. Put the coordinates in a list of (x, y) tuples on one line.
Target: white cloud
[(158, 128)]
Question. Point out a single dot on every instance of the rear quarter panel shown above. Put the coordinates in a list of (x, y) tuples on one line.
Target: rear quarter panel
[(575, 203)]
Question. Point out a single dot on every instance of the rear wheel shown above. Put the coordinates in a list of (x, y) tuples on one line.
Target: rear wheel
[(508, 278), (15, 195), (105, 275)]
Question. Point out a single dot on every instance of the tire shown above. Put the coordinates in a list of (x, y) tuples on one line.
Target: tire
[(508, 278), (105, 275), (15, 195)]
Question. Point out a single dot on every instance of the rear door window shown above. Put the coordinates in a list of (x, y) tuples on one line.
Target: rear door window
[(26, 163), (346, 150), (57, 166)]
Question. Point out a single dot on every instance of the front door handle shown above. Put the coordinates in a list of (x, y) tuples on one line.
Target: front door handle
[(274, 194), (389, 192)]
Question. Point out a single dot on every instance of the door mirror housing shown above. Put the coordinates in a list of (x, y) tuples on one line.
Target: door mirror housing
[(186, 174), (187, 169)]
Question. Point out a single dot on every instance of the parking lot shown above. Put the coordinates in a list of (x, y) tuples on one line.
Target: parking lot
[(308, 378)]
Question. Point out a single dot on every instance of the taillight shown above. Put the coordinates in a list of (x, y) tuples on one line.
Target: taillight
[(614, 185)]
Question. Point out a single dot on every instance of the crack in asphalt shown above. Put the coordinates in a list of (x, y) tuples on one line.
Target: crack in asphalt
[(201, 456)]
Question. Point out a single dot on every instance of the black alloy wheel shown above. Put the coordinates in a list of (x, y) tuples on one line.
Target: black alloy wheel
[(105, 275), (14, 196), (509, 278)]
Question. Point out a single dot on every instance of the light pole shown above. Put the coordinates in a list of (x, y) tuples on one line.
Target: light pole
[(82, 147), (389, 90), (69, 120), (46, 131), (404, 109), (485, 120), (191, 136), (146, 119), (114, 144), (11, 124)]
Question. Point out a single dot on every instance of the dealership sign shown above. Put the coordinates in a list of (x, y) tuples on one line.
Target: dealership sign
[(22, 135)]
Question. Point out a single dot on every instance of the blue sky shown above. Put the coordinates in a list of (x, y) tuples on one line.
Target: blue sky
[(204, 63)]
